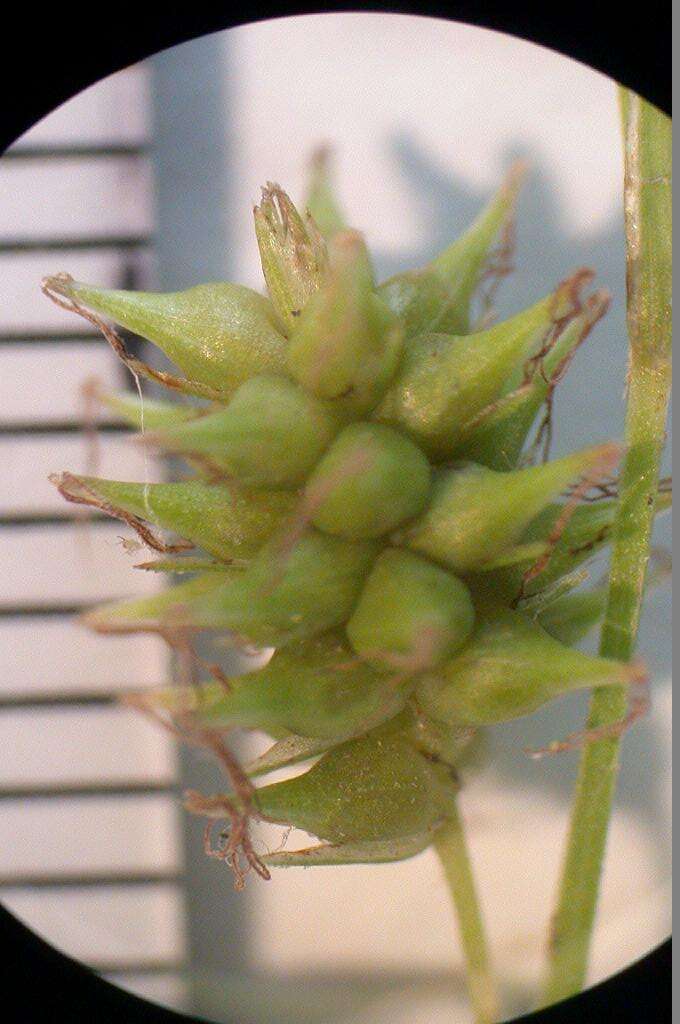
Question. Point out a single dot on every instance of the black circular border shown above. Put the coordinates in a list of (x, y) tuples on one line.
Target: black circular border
[(53, 54), (42, 984)]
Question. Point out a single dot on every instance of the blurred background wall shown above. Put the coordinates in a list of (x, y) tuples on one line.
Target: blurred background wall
[(159, 168)]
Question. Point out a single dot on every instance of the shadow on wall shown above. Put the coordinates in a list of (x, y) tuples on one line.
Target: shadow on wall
[(590, 408)]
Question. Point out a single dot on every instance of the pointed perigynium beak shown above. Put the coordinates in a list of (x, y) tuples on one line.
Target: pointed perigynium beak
[(317, 688), (216, 517), (270, 434), (218, 334), (510, 668), (476, 515), (446, 382), (438, 297)]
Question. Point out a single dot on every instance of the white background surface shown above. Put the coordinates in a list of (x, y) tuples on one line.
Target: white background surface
[(424, 117)]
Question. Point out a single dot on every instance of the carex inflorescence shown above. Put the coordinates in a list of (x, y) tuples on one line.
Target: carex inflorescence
[(368, 502)]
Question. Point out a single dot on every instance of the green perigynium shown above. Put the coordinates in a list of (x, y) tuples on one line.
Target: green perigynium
[(370, 480), (360, 483), (412, 614), (218, 334)]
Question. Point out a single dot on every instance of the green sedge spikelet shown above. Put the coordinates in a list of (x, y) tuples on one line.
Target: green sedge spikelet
[(361, 496)]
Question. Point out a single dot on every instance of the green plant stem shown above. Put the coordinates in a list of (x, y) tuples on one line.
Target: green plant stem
[(647, 205), (453, 854)]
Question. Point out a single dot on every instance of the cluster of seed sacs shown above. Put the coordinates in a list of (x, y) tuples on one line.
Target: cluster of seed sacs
[(361, 491)]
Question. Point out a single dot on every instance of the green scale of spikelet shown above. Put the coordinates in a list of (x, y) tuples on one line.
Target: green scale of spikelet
[(359, 490)]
